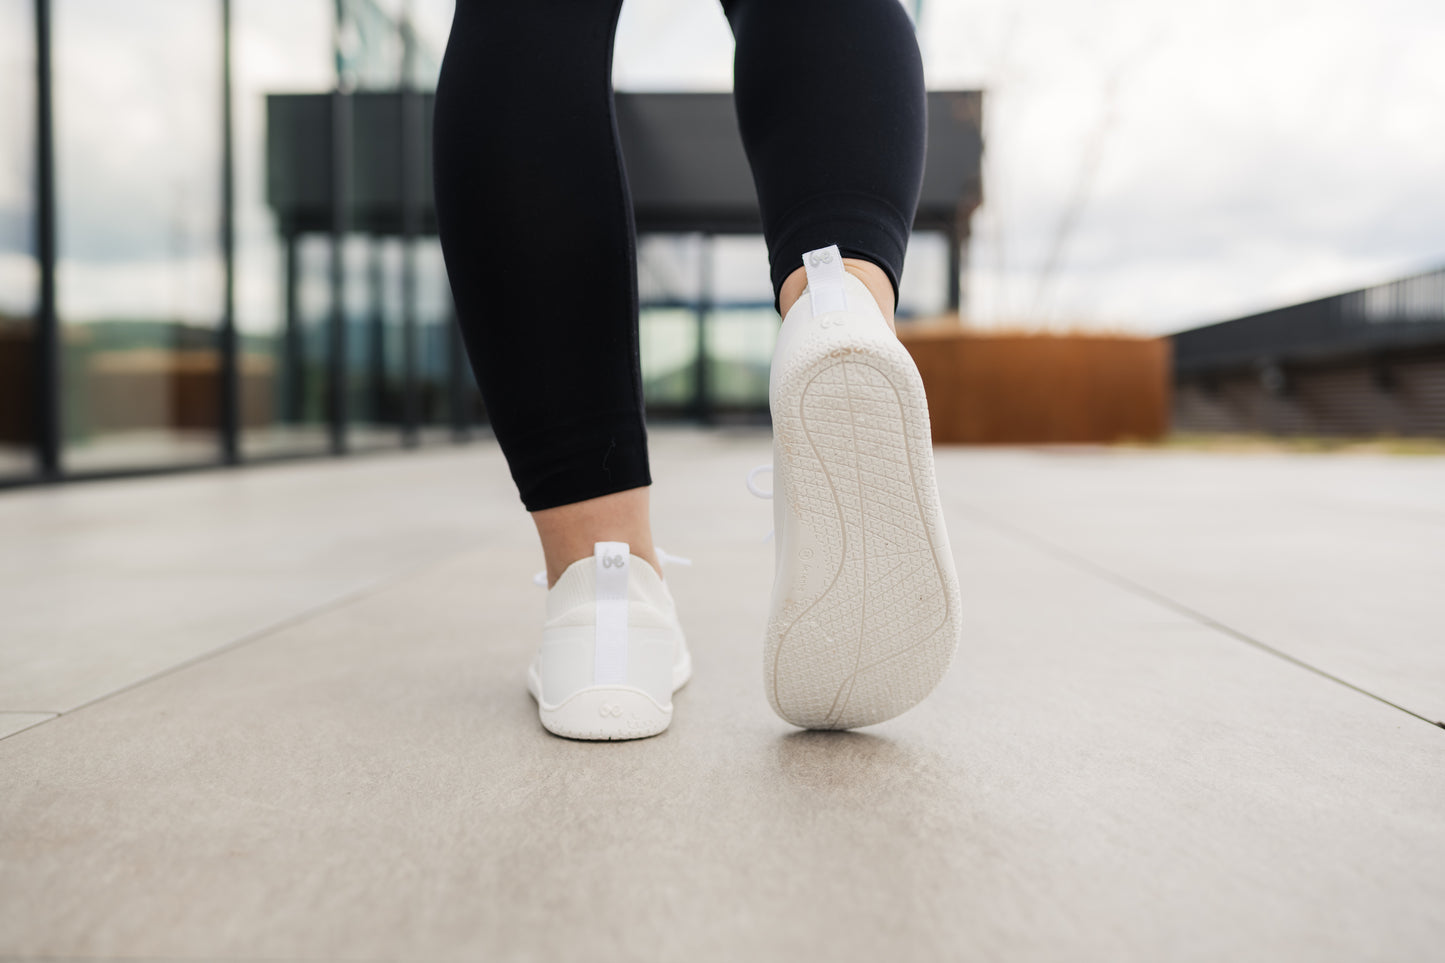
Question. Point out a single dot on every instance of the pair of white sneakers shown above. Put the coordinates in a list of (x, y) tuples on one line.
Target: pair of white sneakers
[(864, 617)]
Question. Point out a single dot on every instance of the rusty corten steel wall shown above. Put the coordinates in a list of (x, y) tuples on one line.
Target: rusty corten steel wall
[(1034, 389)]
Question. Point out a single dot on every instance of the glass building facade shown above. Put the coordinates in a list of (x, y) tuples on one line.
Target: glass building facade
[(155, 310), (216, 244), (19, 264)]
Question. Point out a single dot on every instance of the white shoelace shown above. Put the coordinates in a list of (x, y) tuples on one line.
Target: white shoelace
[(759, 492), (754, 488), (663, 558)]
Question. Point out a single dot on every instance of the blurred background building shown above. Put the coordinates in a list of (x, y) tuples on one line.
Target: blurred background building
[(142, 301), (1367, 362), (192, 273), (191, 276)]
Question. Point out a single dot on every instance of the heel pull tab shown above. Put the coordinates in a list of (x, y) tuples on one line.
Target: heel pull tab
[(609, 661), (825, 279)]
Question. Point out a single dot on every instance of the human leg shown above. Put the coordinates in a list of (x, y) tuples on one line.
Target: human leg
[(536, 226), (832, 111), (865, 611), (537, 230), (568, 532)]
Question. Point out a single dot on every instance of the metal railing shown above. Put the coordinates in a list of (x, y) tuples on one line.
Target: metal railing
[(1403, 314)]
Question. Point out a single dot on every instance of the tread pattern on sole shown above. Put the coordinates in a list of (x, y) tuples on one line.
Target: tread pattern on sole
[(875, 633)]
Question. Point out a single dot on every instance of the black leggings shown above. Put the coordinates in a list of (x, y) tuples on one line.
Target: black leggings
[(536, 220)]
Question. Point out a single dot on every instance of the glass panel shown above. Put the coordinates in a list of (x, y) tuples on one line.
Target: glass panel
[(742, 328), (669, 269), (19, 273), (431, 21), (390, 374), (739, 330), (924, 291), (668, 343), (740, 272), (310, 334), (280, 47), (739, 352), (370, 43), (373, 334), (139, 278), (434, 336), (668, 282), (434, 333)]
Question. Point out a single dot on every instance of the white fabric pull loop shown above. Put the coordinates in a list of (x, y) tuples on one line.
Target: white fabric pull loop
[(825, 279), (609, 662), (539, 577)]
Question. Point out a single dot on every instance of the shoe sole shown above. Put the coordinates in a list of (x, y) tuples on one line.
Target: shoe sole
[(605, 713), (865, 615)]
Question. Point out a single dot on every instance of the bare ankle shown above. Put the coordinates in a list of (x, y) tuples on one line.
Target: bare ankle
[(568, 532), (872, 276)]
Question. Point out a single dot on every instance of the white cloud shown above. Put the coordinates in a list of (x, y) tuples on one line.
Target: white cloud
[(1213, 159), (1259, 152)]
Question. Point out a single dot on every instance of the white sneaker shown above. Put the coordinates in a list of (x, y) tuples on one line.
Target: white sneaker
[(612, 650), (865, 605)]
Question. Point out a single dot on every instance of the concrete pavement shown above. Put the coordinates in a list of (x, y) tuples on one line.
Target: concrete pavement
[(279, 714)]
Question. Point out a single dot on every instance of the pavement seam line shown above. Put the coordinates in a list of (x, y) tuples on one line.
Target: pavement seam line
[(1143, 591), (256, 635)]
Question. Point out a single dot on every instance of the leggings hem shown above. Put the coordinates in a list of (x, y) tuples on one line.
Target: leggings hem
[(586, 460), (863, 226)]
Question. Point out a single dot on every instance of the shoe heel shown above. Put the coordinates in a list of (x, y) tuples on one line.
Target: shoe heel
[(606, 713)]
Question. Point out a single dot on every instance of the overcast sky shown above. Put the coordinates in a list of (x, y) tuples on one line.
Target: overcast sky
[(1150, 164), (1176, 162)]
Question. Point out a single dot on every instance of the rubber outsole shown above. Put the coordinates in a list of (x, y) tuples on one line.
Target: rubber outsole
[(865, 616), (607, 713)]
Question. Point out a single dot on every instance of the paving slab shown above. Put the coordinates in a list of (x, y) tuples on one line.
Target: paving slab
[(13, 722), (1337, 560), (103, 585), (1100, 777)]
